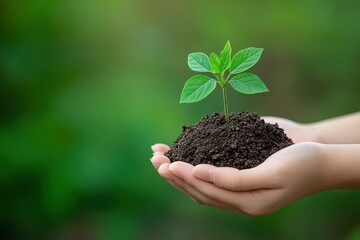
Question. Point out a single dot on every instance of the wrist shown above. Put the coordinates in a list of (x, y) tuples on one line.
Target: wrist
[(341, 166), (314, 132)]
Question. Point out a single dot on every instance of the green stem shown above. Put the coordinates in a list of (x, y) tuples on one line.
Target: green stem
[(227, 78), (226, 110)]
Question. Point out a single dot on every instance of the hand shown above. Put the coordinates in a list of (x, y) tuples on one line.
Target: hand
[(162, 165), (296, 131), (286, 176)]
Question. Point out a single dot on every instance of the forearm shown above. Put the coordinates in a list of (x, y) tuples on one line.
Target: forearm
[(345, 129), (341, 166)]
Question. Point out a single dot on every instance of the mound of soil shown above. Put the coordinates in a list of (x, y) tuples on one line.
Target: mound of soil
[(244, 142)]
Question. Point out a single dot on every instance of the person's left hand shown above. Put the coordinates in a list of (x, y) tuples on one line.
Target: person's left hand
[(296, 131)]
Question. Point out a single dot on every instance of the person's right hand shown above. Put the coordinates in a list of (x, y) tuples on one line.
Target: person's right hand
[(162, 164), (296, 131), (288, 175)]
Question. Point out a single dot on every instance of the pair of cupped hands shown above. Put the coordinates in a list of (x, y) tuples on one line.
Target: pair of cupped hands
[(286, 176)]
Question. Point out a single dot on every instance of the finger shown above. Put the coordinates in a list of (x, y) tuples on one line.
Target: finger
[(202, 199), (164, 172), (158, 160), (160, 148), (197, 196), (169, 177), (202, 171), (233, 179), (210, 191), (181, 185)]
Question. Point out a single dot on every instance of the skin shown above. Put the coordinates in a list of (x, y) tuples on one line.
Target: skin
[(307, 167)]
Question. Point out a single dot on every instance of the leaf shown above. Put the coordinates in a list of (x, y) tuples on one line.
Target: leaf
[(199, 62), (248, 83), (215, 63), (197, 88), (245, 59), (225, 57)]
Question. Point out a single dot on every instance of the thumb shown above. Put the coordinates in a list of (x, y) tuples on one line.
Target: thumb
[(232, 178)]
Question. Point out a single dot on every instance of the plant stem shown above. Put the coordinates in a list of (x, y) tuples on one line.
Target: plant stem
[(226, 110)]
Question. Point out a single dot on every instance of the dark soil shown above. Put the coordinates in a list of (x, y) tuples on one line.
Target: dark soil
[(244, 142)]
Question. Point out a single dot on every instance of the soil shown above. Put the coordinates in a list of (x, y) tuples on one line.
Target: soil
[(244, 142)]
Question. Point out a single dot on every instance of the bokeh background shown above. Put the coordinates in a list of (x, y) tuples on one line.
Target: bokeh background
[(86, 87)]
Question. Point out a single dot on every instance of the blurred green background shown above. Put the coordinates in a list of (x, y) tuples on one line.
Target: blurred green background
[(86, 87)]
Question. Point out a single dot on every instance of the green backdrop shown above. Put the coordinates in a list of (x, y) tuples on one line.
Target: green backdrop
[(87, 86)]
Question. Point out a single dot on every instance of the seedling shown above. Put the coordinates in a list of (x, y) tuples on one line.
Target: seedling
[(199, 87)]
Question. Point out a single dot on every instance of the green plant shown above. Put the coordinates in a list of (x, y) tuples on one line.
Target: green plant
[(199, 87)]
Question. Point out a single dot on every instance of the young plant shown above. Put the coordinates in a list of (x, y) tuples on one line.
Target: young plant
[(199, 87)]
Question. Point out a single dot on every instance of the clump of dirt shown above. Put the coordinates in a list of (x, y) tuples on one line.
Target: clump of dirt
[(244, 142)]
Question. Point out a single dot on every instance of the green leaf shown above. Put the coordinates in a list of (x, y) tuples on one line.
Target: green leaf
[(225, 57), (245, 59), (248, 83), (197, 88), (199, 62), (215, 63)]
